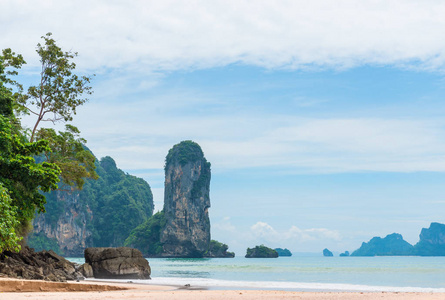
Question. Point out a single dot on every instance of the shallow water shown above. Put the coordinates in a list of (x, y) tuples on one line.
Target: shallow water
[(304, 273)]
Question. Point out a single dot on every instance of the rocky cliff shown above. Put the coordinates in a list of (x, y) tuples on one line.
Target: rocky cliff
[(186, 202), (64, 227), (392, 244), (102, 214), (432, 241)]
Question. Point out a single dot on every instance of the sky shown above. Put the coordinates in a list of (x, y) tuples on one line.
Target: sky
[(323, 120)]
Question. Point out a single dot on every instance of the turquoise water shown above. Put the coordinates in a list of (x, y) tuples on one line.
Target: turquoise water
[(305, 273)]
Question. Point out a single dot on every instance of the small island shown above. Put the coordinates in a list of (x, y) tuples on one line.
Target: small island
[(326, 252), (261, 252), (283, 252)]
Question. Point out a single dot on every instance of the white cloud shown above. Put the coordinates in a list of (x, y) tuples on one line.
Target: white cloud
[(170, 35), (224, 225), (139, 135), (264, 232)]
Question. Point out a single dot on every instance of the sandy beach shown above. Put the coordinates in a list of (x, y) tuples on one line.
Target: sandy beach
[(14, 289)]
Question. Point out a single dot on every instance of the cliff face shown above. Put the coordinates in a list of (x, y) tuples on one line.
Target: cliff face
[(186, 202), (64, 227), (432, 241), (102, 214)]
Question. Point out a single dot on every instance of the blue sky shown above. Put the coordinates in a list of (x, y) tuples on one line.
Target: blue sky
[(323, 123)]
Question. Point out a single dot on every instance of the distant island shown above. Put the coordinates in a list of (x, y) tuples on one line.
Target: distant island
[(431, 243), (326, 252), (261, 252), (283, 252)]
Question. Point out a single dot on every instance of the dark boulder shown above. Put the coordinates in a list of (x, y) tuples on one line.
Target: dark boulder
[(46, 265), (117, 263)]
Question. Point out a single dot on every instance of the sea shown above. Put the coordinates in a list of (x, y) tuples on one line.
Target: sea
[(301, 273)]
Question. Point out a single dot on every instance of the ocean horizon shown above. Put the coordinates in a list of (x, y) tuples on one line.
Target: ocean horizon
[(301, 273)]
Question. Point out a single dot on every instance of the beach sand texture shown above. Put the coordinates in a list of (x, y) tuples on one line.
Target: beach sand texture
[(14, 289)]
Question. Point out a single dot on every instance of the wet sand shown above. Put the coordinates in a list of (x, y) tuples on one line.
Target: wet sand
[(15, 289)]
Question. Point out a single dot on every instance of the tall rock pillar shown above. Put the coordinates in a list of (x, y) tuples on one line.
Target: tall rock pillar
[(186, 202)]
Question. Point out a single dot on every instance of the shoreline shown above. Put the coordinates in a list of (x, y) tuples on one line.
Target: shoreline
[(18, 289), (223, 285)]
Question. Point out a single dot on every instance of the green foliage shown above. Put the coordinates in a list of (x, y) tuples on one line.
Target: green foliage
[(147, 236), (69, 154), (41, 242), (8, 223), (23, 178), (59, 91), (119, 201), (184, 152), (218, 249), (261, 252)]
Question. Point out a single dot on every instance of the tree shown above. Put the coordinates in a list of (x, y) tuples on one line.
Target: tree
[(59, 91), (69, 154), (22, 177), (56, 98), (8, 223)]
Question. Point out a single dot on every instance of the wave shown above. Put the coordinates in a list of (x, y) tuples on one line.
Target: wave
[(218, 284)]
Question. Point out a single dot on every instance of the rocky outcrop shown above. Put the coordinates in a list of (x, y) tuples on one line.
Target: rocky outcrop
[(117, 263), (261, 252), (344, 254), (101, 214), (283, 252), (391, 245), (46, 265), (432, 241), (186, 202), (218, 250), (326, 252)]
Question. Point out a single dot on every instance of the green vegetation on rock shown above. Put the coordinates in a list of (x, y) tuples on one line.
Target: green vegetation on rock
[(218, 249), (108, 208), (147, 236), (119, 202), (261, 252), (41, 242), (184, 152)]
